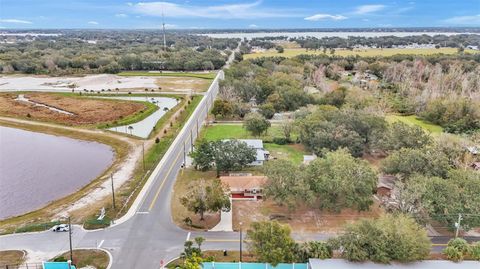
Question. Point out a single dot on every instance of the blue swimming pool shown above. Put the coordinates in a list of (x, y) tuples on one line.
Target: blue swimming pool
[(252, 265)]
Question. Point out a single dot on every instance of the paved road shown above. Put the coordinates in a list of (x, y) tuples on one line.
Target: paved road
[(149, 235)]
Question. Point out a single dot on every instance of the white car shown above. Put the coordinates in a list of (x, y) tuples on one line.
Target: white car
[(60, 228)]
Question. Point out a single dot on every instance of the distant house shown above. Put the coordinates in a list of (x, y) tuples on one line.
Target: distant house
[(244, 187), (475, 150), (385, 185), (307, 159), (262, 155), (471, 47)]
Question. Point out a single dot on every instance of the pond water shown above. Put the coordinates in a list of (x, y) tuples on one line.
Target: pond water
[(145, 126), (38, 168)]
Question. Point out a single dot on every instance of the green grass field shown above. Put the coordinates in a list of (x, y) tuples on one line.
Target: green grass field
[(414, 120), (210, 75), (292, 152), (363, 52), (236, 131)]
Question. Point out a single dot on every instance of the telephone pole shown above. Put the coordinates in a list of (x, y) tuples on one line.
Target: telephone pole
[(457, 224), (70, 238), (113, 191)]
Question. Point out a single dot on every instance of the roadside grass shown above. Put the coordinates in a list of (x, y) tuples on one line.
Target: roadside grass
[(98, 259), (414, 120), (131, 118), (41, 219), (361, 52), (11, 258), (217, 256), (209, 75)]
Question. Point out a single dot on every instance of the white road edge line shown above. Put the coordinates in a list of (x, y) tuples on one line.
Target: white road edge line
[(188, 236), (143, 212), (101, 243)]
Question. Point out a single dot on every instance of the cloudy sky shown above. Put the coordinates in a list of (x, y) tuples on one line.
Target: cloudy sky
[(237, 13)]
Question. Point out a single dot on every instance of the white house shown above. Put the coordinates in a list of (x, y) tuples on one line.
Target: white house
[(257, 144)]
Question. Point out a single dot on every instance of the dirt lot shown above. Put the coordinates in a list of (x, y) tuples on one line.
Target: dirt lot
[(303, 219), (88, 257), (86, 110), (11, 257), (183, 84)]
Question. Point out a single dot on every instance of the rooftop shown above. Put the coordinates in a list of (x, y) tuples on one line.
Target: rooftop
[(243, 182)]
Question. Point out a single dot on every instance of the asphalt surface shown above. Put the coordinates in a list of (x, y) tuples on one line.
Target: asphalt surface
[(149, 238)]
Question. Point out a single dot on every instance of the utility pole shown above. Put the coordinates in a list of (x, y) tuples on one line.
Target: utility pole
[(184, 154), (113, 191), (143, 155), (70, 238), (164, 37), (457, 224), (191, 139), (240, 242)]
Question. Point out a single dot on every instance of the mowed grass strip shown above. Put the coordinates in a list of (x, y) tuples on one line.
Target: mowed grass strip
[(414, 120), (360, 52), (209, 75), (236, 131)]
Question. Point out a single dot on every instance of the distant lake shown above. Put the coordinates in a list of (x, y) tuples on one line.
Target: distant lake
[(37, 168), (323, 34)]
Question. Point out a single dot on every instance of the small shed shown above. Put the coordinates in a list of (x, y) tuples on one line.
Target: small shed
[(385, 185), (58, 265)]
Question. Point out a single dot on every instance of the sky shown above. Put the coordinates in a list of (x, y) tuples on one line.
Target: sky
[(238, 14)]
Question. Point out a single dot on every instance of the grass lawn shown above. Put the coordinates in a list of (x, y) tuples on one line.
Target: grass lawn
[(236, 131), (11, 257), (293, 152), (361, 52), (87, 257), (209, 75), (217, 256), (414, 120)]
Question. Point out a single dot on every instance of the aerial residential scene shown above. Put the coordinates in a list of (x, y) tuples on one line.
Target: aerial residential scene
[(230, 134)]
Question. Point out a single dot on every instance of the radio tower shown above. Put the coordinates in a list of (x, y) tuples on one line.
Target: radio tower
[(164, 38)]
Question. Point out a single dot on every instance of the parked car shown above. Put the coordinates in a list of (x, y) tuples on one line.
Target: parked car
[(60, 228)]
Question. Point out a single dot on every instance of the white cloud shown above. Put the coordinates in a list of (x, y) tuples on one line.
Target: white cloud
[(170, 26), (121, 15), (368, 9), (318, 17), (93, 22), (473, 20), (227, 11), (253, 26), (15, 21)]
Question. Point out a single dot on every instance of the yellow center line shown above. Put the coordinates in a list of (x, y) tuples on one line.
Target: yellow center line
[(152, 204)]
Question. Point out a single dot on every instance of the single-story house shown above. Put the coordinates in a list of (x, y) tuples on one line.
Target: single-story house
[(385, 185), (244, 187), (262, 154)]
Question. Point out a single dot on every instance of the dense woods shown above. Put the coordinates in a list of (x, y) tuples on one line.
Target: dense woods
[(111, 51)]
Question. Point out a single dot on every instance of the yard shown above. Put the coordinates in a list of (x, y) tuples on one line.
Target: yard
[(302, 219), (184, 181), (292, 52), (414, 120)]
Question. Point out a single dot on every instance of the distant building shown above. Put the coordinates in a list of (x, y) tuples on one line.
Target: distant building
[(476, 166), (471, 47), (245, 187), (474, 150)]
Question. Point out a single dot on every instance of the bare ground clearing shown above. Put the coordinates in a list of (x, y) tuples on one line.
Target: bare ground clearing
[(183, 84), (11, 257), (86, 110), (302, 219)]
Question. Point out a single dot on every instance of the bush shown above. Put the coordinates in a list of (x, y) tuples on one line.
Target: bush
[(280, 140), (456, 249), (475, 251)]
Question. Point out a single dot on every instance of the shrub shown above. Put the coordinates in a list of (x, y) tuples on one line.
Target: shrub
[(280, 140), (456, 249), (475, 251)]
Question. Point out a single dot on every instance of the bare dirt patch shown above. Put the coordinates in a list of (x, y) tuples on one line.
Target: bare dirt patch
[(87, 257), (183, 84), (302, 219), (11, 257), (86, 110)]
